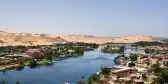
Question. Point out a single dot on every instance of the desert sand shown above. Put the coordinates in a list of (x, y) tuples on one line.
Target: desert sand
[(14, 39)]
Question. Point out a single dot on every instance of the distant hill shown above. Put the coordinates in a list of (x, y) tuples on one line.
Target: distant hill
[(7, 38), (28, 39)]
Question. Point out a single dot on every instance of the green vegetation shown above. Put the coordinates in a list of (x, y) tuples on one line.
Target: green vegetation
[(156, 69), (144, 77), (131, 64), (153, 51), (49, 55), (133, 57), (150, 51), (113, 49), (161, 73), (26, 62), (80, 82), (105, 71), (43, 62), (32, 63), (41, 54), (101, 78), (19, 48), (165, 76), (81, 45), (145, 43), (94, 79), (162, 79)]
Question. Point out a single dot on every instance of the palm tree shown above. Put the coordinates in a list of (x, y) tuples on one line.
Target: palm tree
[(49, 55)]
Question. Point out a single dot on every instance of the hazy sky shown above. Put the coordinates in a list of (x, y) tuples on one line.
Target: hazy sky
[(91, 17)]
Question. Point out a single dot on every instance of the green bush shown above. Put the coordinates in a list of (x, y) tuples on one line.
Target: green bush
[(156, 69), (32, 63), (133, 57), (105, 71), (131, 64), (144, 76)]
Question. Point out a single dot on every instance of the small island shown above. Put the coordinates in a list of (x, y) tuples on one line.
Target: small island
[(113, 49)]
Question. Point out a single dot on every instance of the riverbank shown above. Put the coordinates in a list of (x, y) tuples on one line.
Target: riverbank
[(121, 59), (69, 70), (103, 73), (7, 67), (37, 63), (40, 55)]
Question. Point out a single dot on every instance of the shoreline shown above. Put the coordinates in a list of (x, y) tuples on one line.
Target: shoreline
[(17, 66)]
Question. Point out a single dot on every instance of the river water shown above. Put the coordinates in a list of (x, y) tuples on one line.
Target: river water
[(70, 70)]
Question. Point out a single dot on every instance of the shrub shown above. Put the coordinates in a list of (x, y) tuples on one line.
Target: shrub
[(144, 77), (105, 71), (32, 63), (131, 64), (133, 57)]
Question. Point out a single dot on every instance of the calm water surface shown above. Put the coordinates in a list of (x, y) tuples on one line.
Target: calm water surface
[(69, 70)]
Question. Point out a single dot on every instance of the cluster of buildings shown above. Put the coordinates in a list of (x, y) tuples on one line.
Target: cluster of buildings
[(149, 59), (127, 75), (8, 60), (156, 47), (11, 60), (135, 75)]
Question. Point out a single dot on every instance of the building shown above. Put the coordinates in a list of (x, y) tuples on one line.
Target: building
[(138, 81), (124, 72), (23, 55), (35, 53), (154, 61), (165, 62), (142, 65), (142, 61)]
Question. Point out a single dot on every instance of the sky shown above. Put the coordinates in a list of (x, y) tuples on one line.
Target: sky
[(107, 18)]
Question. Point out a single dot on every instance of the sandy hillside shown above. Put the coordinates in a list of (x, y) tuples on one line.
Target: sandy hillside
[(45, 39)]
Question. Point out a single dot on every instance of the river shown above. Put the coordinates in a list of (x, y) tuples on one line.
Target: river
[(70, 70)]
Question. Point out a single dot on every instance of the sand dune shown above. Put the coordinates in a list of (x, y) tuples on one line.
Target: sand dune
[(46, 39)]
